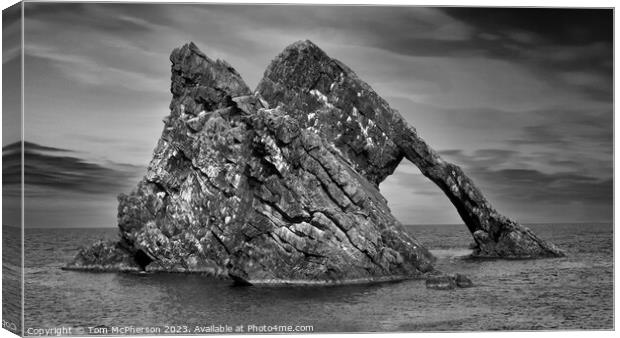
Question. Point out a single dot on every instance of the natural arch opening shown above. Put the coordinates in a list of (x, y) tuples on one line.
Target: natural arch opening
[(425, 211)]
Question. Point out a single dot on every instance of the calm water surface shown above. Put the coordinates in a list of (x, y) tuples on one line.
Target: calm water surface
[(575, 292), (11, 278)]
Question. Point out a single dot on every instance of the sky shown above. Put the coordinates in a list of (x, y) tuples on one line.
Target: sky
[(521, 99)]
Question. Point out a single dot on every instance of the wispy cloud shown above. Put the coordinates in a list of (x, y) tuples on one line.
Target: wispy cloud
[(11, 33), (90, 72), (48, 170)]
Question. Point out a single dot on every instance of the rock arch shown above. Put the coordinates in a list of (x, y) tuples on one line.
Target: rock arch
[(281, 185), (376, 138)]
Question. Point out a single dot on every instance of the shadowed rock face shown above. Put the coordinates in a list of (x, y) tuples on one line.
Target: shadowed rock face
[(281, 186)]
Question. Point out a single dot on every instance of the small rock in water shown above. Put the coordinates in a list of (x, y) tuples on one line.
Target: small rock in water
[(442, 282), (463, 281), (448, 282)]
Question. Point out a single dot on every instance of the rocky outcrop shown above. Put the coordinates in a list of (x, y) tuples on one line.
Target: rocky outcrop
[(241, 188), (463, 281), (281, 185), (105, 256)]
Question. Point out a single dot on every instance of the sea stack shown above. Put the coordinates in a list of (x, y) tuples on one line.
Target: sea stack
[(280, 185)]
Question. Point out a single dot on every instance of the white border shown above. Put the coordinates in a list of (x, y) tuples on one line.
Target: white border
[(477, 3)]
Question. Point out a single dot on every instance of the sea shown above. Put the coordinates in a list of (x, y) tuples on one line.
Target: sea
[(571, 293)]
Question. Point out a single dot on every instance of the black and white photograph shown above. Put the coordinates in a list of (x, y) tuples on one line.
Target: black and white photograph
[(235, 168)]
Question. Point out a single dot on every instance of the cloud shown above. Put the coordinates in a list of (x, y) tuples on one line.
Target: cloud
[(559, 46), (532, 185), (48, 170), (88, 71), (527, 195), (31, 147), (561, 25), (92, 16), (544, 166), (62, 189), (97, 46), (544, 138), (11, 33), (497, 173)]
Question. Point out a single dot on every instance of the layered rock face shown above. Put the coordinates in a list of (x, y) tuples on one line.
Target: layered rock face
[(325, 95), (281, 185)]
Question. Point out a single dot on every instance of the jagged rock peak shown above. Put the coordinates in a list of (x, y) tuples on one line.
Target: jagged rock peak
[(302, 48), (302, 58), (196, 74)]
